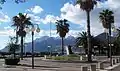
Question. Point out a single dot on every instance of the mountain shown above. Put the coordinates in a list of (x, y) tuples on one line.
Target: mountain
[(103, 38), (41, 44)]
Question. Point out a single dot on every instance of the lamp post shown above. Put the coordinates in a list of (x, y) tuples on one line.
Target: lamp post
[(33, 30), (111, 45)]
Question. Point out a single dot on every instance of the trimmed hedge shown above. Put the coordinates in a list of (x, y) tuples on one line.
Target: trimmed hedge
[(10, 61)]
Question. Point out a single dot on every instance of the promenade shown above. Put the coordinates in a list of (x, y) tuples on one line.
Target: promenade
[(49, 65)]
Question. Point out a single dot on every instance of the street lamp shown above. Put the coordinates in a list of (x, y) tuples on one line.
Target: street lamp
[(33, 29), (111, 53)]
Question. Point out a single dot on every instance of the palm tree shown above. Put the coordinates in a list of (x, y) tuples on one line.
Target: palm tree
[(21, 22), (13, 46), (87, 5), (82, 40), (107, 19), (117, 41), (62, 28)]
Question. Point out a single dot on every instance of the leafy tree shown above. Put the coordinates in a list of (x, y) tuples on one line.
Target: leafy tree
[(21, 22), (87, 5), (107, 19), (62, 27), (16, 1)]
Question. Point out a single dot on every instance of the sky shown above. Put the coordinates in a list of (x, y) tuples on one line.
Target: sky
[(46, 12)]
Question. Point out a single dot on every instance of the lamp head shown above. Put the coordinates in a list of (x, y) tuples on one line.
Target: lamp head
[(38, 30)]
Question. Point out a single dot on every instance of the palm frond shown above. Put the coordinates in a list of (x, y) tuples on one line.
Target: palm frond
[(62, 26), (106, 17)]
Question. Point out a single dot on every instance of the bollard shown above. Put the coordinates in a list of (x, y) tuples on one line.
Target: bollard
[(45, 56), (81, 58), (117, 60), (84, 68), (101, 65), (56, 55), (113, 61), (93, 67)]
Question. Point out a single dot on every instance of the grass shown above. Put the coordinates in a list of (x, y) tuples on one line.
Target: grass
[(71, 57)]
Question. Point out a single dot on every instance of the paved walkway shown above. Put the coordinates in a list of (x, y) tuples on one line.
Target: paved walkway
[(46, 65)]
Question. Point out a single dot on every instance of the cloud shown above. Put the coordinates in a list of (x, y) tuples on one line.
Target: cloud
[(50, 19), (36, 10), (4, 17), (111, 4), (35, 19), (77, 16), (72, 13), (9, 32)]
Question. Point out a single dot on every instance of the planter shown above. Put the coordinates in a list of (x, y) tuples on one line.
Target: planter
[(9, 61)]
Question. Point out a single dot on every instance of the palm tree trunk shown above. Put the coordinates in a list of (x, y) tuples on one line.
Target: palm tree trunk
[(14, 53), (110, 51), (21, 48), (62, 45), (89, 37)]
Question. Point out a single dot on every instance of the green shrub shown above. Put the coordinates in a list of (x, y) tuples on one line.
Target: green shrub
[(73, 55), (59, 58), (9, 61), (70, 57)]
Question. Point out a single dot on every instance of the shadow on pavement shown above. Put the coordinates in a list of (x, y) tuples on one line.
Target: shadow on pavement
[(26, 65), (74, 61)]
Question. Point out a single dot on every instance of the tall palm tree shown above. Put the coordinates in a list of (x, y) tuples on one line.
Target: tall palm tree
[(21, 22), (62, 28), (107, 19), (87, 5)]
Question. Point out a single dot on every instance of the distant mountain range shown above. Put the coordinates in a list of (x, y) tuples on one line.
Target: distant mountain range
[(41, 44), (103, 38)]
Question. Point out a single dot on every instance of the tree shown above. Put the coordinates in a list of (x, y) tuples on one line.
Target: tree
[(16, 1), (117, 41), (107, 19), (13, 46), (87, 5), (21, 22), (81, 40), (62, 27)]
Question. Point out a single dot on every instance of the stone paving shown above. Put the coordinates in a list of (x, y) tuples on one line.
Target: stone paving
[(47, 65)]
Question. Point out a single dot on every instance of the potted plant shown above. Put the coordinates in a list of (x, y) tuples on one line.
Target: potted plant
[(12, 48)]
